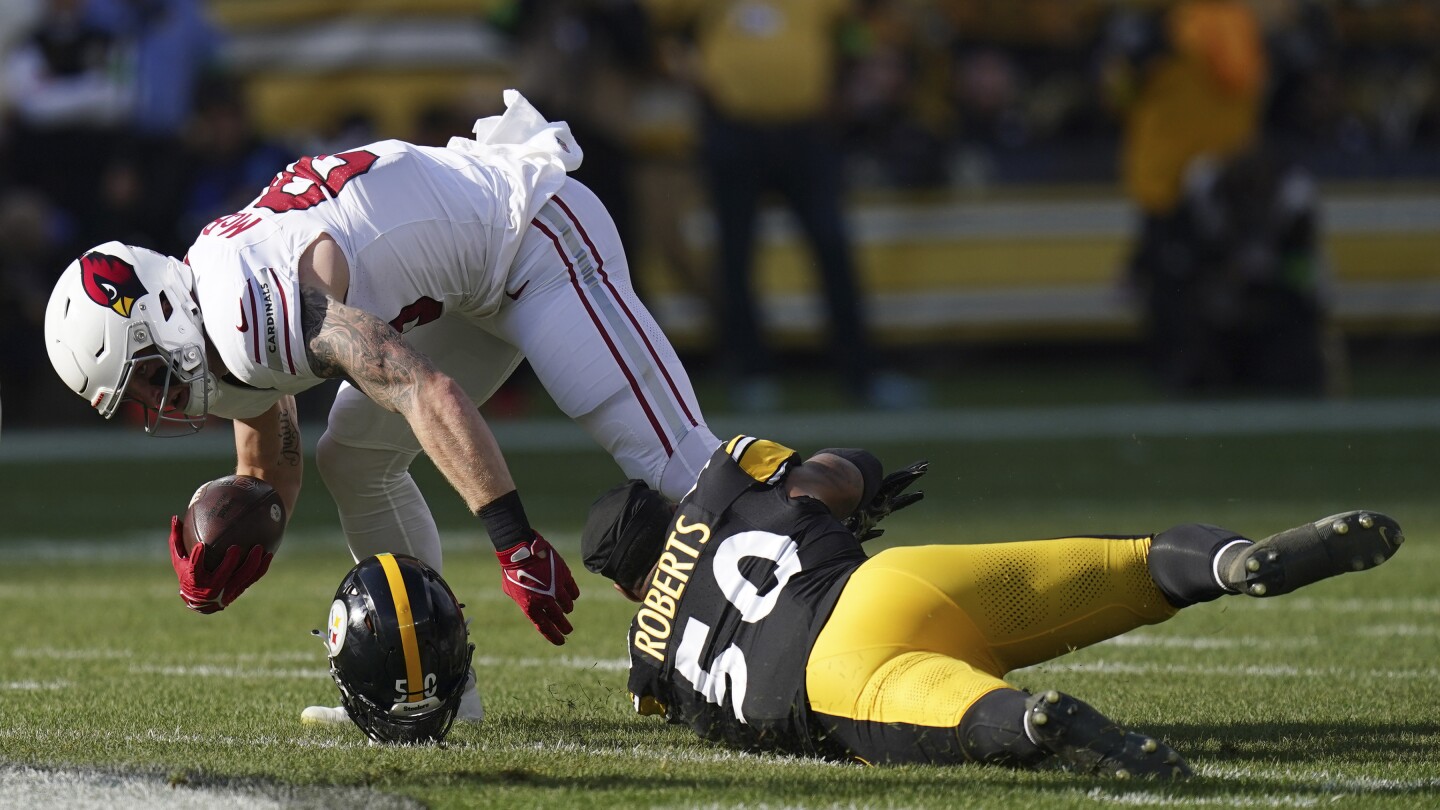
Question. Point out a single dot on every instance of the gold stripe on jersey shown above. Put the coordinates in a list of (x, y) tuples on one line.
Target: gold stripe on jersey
[(760, 459), (414, 680)]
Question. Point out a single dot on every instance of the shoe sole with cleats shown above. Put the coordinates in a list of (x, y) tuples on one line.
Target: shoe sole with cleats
[(1294, 558), (1086, 741)]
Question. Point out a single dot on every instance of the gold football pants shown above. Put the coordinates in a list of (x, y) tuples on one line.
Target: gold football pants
[(920, 633)]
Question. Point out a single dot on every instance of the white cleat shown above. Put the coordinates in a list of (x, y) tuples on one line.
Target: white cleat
[(471, 710), (324, 716)]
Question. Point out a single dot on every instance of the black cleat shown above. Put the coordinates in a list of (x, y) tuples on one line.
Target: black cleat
[(1086, 741), (1294, 558)]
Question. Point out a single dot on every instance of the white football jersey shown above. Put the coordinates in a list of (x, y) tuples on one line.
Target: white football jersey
[(425, 230)]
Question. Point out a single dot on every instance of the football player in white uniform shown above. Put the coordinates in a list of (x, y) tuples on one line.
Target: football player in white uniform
[(421, 276)]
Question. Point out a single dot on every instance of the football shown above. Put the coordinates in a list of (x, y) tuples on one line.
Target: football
[(237, 510)]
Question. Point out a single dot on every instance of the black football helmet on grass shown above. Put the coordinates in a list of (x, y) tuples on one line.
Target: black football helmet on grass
[(399, 649)]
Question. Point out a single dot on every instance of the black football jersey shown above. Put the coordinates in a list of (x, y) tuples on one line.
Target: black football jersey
[(745, 582)]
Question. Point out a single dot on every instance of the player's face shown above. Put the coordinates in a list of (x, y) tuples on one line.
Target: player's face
[(153, 386)]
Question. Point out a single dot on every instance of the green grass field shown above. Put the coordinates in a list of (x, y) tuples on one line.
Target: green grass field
[(1325, 698)]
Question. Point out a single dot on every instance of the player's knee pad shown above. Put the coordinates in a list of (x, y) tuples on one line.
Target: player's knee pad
[(330, 461), (993, 731), (1182, 562), (380, 506), (335, 463), (359, 469)]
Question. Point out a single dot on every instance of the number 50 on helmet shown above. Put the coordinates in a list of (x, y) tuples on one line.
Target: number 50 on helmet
[(399, 649)]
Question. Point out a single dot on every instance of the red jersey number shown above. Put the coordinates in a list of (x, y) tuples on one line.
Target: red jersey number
[(419, 313), (310, 181)]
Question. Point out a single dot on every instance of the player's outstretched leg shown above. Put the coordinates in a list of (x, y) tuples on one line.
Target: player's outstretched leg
[(1086, 741), (1294, 558)]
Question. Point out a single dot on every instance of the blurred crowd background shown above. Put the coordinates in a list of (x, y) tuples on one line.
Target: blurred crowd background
[(1234, 191)]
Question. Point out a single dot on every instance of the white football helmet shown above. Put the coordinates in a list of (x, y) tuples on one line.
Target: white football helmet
[(119, 306)]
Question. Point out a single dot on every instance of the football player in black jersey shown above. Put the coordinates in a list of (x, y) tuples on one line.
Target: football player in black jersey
[(764, 624)]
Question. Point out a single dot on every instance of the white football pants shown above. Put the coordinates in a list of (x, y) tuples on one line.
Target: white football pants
[(591, 342)]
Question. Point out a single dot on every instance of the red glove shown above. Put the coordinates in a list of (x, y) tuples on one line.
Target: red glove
[(212, 591), (540, 583)]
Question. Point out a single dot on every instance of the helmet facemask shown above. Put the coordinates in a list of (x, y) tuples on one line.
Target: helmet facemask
[(421, 722), (163, 371)]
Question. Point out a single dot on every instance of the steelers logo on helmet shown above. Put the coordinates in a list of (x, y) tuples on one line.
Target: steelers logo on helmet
[(335, 628)]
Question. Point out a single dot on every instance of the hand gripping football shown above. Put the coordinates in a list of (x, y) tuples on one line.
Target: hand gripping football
[(237, 510)]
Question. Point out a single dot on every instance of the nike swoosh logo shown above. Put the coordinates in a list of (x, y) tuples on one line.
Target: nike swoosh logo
[(515, 296), (539, 587), (244, 326)]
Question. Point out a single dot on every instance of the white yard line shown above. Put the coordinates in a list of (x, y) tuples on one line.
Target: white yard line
[(1208, 642), (1360, 605), (77, 654), (33, 686), (1246, 671), (1155, 799), (26, 787), (232, 673), (553, 435), (570, 661), (1323, 779), (1405, 630), (707, 755)]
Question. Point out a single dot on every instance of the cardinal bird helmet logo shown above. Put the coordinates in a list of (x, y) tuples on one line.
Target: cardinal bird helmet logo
[(110, 282)]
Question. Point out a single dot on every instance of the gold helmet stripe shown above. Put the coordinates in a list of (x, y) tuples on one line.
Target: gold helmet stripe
[(414, 680)]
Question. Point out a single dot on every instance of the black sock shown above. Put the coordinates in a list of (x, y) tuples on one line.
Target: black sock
[(1183, 562), (993, 731)]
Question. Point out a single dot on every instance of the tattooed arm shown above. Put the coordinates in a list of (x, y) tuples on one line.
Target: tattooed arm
[(268, 447), (343, 341), (346, 342)]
